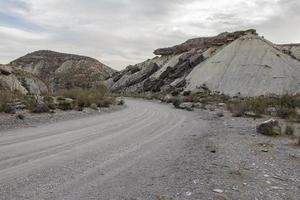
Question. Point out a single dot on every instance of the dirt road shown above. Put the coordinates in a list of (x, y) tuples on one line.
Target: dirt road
[(148, 151), (112, 156)]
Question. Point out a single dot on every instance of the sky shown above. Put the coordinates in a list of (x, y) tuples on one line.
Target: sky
[(124, 32)]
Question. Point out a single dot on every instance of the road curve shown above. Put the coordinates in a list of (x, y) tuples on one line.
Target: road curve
[(120, 155)]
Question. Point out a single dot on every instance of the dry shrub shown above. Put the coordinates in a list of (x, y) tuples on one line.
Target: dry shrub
[(41, 108), (7, 98), (285, 106), (94, 106), (65, 105), (238, 108), (176, 102), (86, 97), (289, 130)]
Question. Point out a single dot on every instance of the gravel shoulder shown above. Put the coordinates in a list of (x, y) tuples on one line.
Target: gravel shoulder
[(232, 161), (10, 121)]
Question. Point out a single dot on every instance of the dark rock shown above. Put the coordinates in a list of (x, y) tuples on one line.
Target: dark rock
[(187, 106), (270, 127), (20, 116), (220, 113), (203, 42), (5, 70)]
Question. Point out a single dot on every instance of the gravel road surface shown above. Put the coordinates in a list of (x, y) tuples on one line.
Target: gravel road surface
[(120, 155), (148, 150)]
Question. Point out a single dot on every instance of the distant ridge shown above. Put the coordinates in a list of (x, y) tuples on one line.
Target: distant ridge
[(64, 71)]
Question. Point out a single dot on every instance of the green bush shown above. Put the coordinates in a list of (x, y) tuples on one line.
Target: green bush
[(285, 106), (286, 112), (104, 103), (65, 105), (87, 97), (289, 130), (48, 99), (6, 99), (94, 106), (40, 108), (31, 102), (176, 102), (238, 108)]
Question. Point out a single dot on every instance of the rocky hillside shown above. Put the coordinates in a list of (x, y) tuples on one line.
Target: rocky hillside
[(14, 79), (292, 49), (64, 71), (239, 63)]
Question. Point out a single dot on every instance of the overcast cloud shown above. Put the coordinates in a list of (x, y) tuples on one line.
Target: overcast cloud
[(123, 32)]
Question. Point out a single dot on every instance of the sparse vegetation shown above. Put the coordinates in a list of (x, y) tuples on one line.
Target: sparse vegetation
[(64, 100), (94, 106), (284, 106), (289, 130), (6, 98), (87, 97), (65, 105), (176, 102), (41, 108), (237, 108)]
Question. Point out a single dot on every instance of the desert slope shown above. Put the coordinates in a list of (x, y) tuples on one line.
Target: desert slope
[(249, 66), (63, 71), (18, 80), (238, 63)]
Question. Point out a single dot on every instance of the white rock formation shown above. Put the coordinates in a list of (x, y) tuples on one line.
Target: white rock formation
[(249, 66)]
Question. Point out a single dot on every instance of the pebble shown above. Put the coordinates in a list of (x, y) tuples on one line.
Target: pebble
[(218, 191), (276, 188), (188, 193)]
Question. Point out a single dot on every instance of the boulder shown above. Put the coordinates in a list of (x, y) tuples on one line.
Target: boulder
[(30, 82), (5, 70), (11, 83), (269, 127), (128, 79), (187, 106)]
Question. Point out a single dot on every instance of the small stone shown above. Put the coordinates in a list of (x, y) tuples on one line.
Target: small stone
[(276, 188), (251, 114), (221, 104), (218, 191), (188, 193)]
